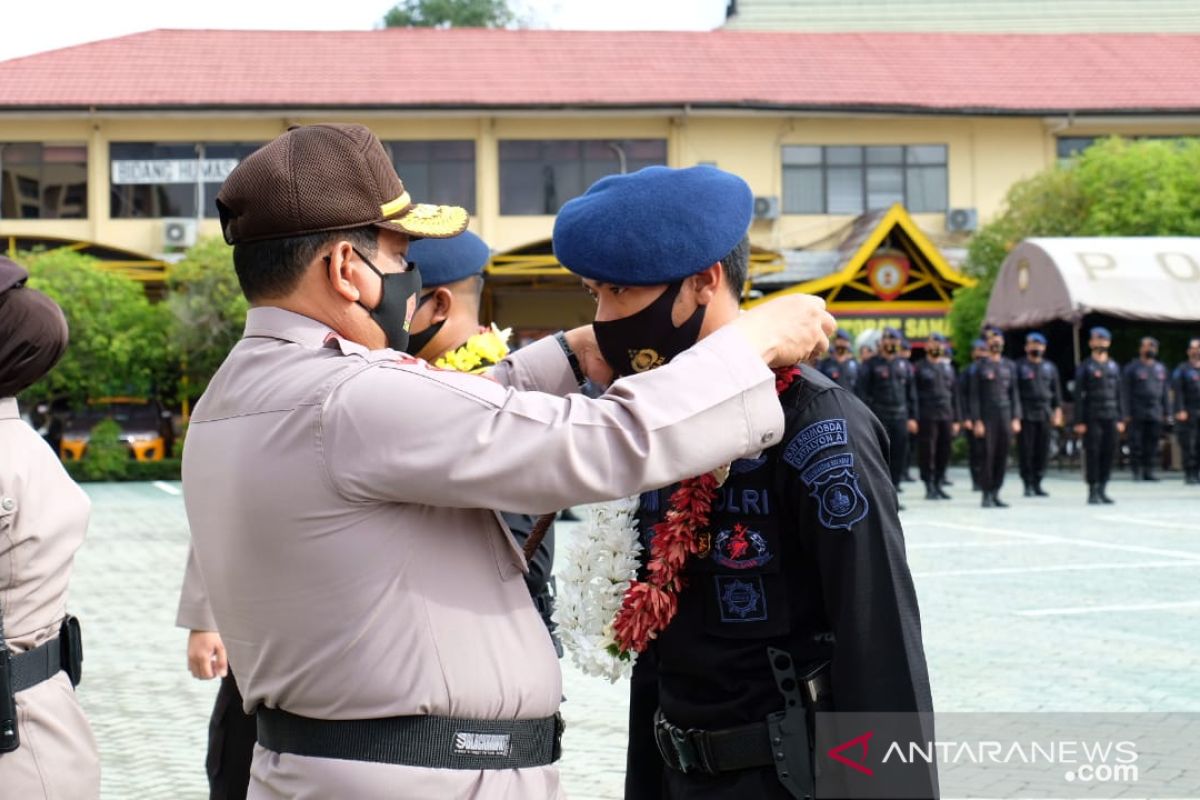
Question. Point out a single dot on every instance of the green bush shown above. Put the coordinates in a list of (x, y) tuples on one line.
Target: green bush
[(166, 470), (106, 457)]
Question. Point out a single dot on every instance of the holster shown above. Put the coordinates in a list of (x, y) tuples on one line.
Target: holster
[(791, 730)]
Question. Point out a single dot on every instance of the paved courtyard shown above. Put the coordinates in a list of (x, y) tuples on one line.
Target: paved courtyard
[(1048, 605)]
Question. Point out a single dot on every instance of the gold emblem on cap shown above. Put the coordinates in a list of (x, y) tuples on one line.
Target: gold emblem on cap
[(645, 359)]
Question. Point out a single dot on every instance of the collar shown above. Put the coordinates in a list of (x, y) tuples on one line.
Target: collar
[(273, 322), (8, 408)]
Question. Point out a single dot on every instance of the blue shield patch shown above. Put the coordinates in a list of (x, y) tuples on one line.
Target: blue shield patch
[(741, 599), (840, 503)]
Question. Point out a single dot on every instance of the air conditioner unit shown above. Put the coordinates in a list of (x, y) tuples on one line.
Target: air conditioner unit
[(179, 232), (962, 220), (766, 208)]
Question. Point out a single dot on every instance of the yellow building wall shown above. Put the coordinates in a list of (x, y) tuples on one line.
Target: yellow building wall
[(986, 156)]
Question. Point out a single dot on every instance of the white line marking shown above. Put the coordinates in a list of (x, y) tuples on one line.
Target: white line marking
[(1049, 612), (168, 488), (1122, 565), (1150, 523), (1049, 538)]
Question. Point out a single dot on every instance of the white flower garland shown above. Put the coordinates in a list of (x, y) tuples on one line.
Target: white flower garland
[(600, 564)]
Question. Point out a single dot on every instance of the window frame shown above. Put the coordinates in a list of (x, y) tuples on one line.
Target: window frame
[(863, 164), (41, 181)]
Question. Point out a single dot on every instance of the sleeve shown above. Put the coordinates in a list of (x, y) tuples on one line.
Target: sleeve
[(541, 366), (1124, 401), (848, 515), (862, 386), (1056, 396), (1014, 391), (1124, 409), (194, 612), (911, 391), (465, 441), (956, 404), (974, 408), (1177, 389), (1081, 392), (541, 564), (1166, 395)]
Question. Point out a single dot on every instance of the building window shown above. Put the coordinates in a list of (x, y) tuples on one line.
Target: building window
[(440, 172), (170, 179), (43, 181), (537, 177), (850, 179)]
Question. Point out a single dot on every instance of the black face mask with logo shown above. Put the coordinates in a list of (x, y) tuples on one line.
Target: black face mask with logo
[(649, 338), (391, 312), (1035, 353)]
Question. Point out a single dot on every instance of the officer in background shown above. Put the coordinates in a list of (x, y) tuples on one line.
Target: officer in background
[(937, 399), (1186, 383), (1041, 406), (995, 408), (905, 360), (886, 385), (979, 353), (1145, 385), (806, 551), (840, 366), (1099, 413), (446, 332), (866, 345)]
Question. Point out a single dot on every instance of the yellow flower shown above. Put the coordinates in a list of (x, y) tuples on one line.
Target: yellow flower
[(480, 352)]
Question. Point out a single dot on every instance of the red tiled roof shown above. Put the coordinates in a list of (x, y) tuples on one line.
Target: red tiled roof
[(421, 68)]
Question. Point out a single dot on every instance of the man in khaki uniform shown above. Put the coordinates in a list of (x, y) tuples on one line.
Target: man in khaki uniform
[(373, 610)]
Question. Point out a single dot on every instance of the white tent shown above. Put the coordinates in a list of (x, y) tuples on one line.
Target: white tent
[(1155, 278)]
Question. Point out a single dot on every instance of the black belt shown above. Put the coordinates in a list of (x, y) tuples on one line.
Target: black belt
[(417, 741), (713, 752), (34, 666)]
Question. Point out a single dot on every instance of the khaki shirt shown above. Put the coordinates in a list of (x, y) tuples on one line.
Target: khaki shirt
[(43, 518), (338, 499)]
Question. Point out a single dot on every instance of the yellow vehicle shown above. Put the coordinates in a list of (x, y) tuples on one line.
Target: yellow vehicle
[(142, 427)]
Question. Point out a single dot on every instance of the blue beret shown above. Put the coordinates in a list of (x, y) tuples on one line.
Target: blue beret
[(937, 337), (443, 261), (990, 328), (842, 333), (1036, 338), (891, 333), (978, 343), (1101, 332), (656, 225)]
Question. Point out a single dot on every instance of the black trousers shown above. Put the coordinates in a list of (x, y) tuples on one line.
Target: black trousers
[(897, 431), (1099, 448), (933, 448), (231, 737), (1143, 443), (996, 440), (643, 765), (747, 784), (1033, 447), (1189, 441), (974, 456)]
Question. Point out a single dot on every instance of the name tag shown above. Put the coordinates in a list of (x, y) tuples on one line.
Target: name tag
[(482, 744)]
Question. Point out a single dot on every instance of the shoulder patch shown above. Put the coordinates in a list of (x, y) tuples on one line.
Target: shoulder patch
[(834, 486), (813, 439)]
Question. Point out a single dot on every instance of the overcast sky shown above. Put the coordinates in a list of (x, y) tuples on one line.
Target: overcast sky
[(31, 26)]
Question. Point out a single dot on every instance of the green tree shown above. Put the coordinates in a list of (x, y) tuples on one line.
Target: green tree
[(118, 340), (1114, 188), (449, 14), (106, 457), (208, 311)]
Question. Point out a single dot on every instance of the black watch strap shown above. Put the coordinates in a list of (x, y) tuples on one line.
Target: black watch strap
[(572, 359)]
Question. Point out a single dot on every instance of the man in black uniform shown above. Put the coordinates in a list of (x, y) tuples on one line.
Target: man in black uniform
[(1186, 384), (840, 365), (1145, 385), (1040, 389), (886, 385), (803, 551), (979, 354), (1098, 413), (937, 400), (995, 408)]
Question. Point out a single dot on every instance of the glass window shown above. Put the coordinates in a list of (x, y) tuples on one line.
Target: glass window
[(439, 171), (174, 179), (43, 181), (851, 180), (538, 176)]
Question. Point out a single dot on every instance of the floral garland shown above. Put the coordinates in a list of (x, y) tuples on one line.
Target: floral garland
[(606, 617), (482, 351)]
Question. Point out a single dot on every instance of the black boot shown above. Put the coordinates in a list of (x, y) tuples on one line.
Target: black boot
[(937, 487), (1093, 495), (1028, 489), (996, 501), (1149, 476), (1104, 498), (1137, 472), (947, 482), (1191, 478), (930, 492), (989, 500), (1038, 491)]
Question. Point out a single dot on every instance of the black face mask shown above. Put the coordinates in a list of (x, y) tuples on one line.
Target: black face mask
[(1099, 348), (841, 349), (1150, 353), (935, 351), (890, 348), (996, 347), (1034, 353), (417, 341), (391, 312), (647, 339)]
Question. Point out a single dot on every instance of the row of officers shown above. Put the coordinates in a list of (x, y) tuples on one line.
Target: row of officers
[(995, 399)]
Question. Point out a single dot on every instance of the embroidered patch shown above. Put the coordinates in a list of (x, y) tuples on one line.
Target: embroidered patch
[(813, 439), (741, 600), (740, 548), (482, 744), (838, 462), (744, 465)]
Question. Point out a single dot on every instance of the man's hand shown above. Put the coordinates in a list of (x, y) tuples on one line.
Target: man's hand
[(980, 429), (1016, 426), (1081, 429), (206, 655), (954, 428), (1057, 420), (582, 341), (1182, 416), (790, 329), (1120, 427), (912, 426)]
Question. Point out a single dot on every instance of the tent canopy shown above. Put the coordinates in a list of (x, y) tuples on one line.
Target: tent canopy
[(1155, 278)]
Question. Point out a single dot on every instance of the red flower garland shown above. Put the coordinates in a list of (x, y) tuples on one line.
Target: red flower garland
[(650, 605)]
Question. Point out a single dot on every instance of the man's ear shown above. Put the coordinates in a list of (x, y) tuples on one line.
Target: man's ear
[(706, 284), (342, 271), (443, 301)]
